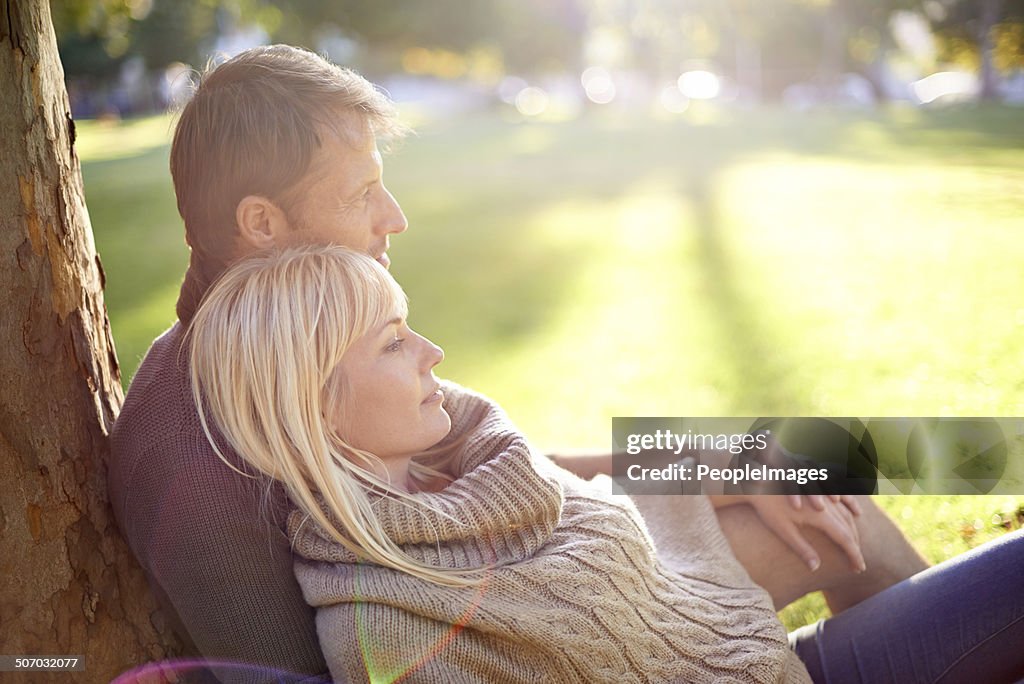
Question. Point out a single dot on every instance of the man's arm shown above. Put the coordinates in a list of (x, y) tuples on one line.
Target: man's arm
[(786, 516), (207, 537)]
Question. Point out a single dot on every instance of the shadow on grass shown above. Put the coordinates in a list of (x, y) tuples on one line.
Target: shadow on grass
[(750, 356)]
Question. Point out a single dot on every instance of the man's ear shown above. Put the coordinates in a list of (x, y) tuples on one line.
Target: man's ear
[(261, 223)]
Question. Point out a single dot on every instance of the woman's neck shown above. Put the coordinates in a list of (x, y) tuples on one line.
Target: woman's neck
[(395, 471)]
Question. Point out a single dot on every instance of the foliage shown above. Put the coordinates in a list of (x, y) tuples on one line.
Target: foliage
[(960, 23), (532, 35)]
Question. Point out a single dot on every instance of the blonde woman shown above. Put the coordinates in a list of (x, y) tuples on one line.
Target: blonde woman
[(433, 544)]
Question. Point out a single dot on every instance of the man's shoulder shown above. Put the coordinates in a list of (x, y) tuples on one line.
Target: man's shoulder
[(159, 392), (160, 453), (158, 429)]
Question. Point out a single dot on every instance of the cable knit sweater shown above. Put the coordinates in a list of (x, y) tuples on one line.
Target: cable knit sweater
[(575, 593)]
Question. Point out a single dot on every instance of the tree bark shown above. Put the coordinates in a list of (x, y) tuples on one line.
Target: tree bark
[(70, 585)]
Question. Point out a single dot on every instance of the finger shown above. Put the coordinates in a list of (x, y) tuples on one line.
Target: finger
[(817, 501), (844, 533), (791, 535), (851, 503), (836, 498), (851, 524), (796, 501)]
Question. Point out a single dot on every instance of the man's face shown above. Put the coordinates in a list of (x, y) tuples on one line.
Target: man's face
[(342, 200)]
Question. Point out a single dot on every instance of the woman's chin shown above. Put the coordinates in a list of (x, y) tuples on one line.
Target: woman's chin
[(446, 423)]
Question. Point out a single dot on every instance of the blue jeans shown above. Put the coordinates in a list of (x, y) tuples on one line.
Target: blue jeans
[(961, 621)]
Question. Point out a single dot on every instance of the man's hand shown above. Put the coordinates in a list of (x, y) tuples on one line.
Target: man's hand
[(585, 465), (832, 515)]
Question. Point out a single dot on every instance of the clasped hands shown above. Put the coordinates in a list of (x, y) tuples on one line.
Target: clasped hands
[(787, 515)]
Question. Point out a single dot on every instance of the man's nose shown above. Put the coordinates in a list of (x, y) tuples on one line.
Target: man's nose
[(392, 221)]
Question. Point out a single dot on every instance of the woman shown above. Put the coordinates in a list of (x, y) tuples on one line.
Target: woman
[(432, 543)]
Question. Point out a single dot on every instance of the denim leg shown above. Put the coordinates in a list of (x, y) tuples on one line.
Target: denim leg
[(960, 621)]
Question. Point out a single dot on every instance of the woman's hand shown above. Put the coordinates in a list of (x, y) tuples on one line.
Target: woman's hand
[(832, 515), (817, 501)]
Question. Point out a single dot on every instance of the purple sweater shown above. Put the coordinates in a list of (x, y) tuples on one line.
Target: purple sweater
[(211, 541)]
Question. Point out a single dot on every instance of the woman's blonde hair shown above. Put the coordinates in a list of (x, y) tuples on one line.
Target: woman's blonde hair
[(263, 348)]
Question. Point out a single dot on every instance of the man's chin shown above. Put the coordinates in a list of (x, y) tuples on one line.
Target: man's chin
[(384, 261)]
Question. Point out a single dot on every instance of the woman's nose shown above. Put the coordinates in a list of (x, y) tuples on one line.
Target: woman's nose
[(433, 354)]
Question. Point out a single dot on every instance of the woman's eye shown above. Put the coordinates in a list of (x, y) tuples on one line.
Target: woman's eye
[(395, 345)]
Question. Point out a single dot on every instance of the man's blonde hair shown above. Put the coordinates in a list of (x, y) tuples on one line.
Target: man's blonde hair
[(263, 348), (251, 128)]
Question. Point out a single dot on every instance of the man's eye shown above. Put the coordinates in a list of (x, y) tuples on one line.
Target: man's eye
[(395, 345)]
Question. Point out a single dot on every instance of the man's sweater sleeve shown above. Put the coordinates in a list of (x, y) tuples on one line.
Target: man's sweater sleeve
[(226, 570), (211, 540)]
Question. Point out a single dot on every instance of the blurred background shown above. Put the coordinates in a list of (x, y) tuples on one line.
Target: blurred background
[(640, 207)]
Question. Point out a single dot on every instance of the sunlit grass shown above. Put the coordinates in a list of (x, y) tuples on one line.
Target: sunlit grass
[(757, 263), (940, 527), (758, 266), (99, 140)]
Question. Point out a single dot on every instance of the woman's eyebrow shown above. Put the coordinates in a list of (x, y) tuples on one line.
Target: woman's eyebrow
[(397, 320)]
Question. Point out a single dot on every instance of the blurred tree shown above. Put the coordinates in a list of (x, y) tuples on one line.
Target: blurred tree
[(70, 584), (531, 35), (175, 31), (94, 36), (976, 23), (855, 35)]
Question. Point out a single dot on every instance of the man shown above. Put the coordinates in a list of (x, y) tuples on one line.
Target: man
[(279, 146)]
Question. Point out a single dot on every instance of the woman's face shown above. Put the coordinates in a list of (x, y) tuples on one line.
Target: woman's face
[(392, 405)]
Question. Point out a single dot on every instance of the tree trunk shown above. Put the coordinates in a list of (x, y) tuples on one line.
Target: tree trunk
[(990, 10), (834, 45), (70, 586)]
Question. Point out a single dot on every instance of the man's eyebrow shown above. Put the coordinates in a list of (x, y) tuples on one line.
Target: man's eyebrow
[(367, 180)]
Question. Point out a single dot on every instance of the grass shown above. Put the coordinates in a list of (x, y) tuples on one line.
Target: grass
[(720, 263)]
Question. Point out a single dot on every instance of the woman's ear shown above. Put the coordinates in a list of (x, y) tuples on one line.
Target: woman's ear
[(261, 223)]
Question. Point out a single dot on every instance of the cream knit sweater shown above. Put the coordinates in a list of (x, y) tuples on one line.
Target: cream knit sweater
[(576, 593)]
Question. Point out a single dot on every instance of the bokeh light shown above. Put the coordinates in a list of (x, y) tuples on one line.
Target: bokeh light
[(700, 85), (673, 100), (532, 101), (598, 85)]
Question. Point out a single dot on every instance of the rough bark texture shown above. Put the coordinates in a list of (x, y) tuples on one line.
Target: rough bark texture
[(69, 584)]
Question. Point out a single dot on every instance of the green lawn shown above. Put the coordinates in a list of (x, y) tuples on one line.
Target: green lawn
[(725, 263)]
